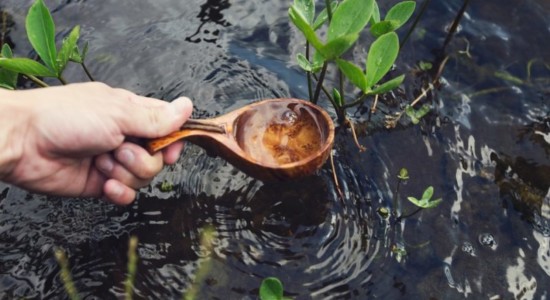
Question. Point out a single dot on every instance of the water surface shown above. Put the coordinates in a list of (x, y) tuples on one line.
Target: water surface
[(484, 148)]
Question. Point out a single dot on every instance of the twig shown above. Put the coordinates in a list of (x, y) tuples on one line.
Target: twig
[(36, 80), (454, 26), (373, 109), (335, 177), (351, 126)]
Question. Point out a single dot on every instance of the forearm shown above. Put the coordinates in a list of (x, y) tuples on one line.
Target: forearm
[(12, 130)]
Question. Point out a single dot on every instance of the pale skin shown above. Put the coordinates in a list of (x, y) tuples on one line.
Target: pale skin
[(73, 140)]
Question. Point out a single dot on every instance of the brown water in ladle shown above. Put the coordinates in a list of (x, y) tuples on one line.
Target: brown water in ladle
[(272, 139)]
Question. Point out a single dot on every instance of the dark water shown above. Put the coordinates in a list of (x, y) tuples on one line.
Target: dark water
[(484, 147)]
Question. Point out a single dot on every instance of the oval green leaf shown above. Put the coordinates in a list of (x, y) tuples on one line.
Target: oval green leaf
[(353, 73), (336, 47), (303, 62), (41, 33), (383, 27), (26, 66), (428, 193), (388, 85), (306, 8), (301, 23), (271, 289), (375, 18), (401, 12), (350, 17), (381, 56)]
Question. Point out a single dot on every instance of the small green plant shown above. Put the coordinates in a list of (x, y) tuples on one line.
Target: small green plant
[(41, 34), (272, 289), (346, 20), (426, 200)]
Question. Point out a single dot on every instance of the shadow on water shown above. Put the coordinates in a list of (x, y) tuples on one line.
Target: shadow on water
[(485, 148)]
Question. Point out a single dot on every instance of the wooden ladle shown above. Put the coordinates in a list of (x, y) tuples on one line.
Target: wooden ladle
[(274, 139)]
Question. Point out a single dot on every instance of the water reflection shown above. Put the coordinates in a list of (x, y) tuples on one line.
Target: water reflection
[(488, 159), (211, 18)]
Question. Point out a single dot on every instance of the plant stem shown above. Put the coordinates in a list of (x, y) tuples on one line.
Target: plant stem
[(329, 10), (454, 26), (65, 275), (416, 20), (354, 134), (132, 267), (409, 215), (87, 71), (320, 83), (356, 101), (309, 83), (36, 80)]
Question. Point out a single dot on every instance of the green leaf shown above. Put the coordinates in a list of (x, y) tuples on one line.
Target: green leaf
[(411, 113), (301, 23), (375, 18), (337, 97), (382, 55), (77, 56), (426, 201), (422, 111), (403, 174), (433, 203), (428, 193), (353, 73), (67, 48), (388, 85), (41, 33), (317, 62), (306, 8), (338, 46), (303, 62), (350, 17), (323, 16), (271, 289), (6, 51), (8, 79), (383, 27), (26, 66), (401, 12)]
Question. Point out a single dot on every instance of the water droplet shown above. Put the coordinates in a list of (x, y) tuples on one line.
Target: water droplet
[(289, 117), (468, 248), (488, 240)]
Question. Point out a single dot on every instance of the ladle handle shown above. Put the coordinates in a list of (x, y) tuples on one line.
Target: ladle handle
[(189, 128), (204, 125)]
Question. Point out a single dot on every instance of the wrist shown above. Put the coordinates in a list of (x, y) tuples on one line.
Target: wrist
[(12, 130)]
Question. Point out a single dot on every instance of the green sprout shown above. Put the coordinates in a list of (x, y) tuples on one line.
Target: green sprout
[(272, 289), (41, 34), (426, 200)]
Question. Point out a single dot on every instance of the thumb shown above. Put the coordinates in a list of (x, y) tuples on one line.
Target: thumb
[(156, 120)]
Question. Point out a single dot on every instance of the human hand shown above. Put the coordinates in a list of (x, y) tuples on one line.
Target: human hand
[(71, 140)]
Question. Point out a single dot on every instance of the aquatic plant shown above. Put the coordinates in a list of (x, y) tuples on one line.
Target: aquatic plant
[(41, 34), (346, 21), (272, 289)]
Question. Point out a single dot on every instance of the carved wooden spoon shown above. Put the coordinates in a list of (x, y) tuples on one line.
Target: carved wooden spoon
[(274, 139)]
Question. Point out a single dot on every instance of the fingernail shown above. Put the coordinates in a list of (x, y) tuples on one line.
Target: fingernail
[(117, 190), (106, 165), (126, 156), (180, 106)]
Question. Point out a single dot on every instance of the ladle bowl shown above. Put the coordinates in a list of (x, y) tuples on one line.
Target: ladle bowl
[(274, 139)]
